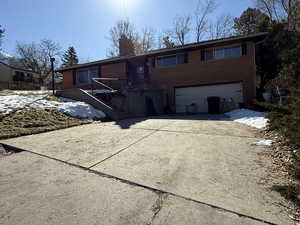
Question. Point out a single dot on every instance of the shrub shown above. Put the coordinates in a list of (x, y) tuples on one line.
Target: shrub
[(290, 192), (286, 118)]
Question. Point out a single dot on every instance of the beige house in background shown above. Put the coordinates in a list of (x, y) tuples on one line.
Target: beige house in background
[(17, 78)]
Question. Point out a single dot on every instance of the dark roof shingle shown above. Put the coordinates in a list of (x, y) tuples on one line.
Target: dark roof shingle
[(196, 45)]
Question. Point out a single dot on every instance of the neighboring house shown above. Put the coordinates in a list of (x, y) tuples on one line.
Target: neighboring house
[(57, 80), (187, 74), (17, 78)]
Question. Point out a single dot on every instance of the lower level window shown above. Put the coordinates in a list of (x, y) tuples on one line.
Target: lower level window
[(85, 76)]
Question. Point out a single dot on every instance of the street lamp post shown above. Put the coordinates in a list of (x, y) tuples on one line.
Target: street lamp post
[(53, 80)]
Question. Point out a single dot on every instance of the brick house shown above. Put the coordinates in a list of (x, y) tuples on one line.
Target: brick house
[(187, 74)]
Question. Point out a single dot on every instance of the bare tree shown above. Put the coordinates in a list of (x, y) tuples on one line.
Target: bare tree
[(279, 9), (291, 10), (222, 27), (145, 41), (29, 56), (203, 10), (142, 42), (37, 56), (180, 30), (268, 7), (122, 28), (288, 10), (50, 48)]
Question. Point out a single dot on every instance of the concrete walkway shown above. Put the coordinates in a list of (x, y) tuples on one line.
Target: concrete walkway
[(171, 170)]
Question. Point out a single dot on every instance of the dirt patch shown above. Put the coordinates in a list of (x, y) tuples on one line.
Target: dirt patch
[(279, 175), (33, 121), (4, 92)]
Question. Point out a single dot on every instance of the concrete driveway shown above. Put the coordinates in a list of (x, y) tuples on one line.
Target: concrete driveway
[(167, 170)]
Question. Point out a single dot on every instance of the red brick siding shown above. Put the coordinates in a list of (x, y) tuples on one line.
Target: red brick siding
[(117, 70), (197, 72)]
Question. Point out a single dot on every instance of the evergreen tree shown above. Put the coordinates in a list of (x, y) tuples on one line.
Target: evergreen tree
[(278, 57), (168, 43), (70, 57), (251, 21)]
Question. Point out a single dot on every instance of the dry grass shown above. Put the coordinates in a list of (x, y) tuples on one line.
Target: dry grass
[(283, 173), (4, 92), (33, 121)]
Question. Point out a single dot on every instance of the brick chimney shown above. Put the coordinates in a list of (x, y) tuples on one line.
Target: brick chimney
[(126, 46)]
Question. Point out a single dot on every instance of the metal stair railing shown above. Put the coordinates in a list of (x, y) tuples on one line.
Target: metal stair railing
[(110, 89)]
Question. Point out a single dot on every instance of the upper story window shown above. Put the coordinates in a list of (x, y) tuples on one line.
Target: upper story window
[(170, 60), (223, 53), (84, 76)]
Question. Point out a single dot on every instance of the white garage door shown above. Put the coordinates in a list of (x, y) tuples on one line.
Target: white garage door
[(198, 95)]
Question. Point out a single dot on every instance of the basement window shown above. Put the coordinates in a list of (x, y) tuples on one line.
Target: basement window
[(85, 76), (170, 60)]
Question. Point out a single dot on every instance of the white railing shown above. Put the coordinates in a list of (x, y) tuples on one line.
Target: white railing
[(96, 80)]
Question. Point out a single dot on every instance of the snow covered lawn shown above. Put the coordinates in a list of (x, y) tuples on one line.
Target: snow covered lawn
[(76, 109), (248, 117)]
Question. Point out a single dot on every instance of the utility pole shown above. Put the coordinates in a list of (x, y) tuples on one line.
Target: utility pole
[(53, 79)]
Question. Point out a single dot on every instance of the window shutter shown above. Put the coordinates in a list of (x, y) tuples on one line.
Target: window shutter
[(74, 77), (244, 49), (153, 62), (186, 58), (202, 54)]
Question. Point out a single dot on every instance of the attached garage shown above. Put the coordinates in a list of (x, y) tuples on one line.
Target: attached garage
[(197, 95)]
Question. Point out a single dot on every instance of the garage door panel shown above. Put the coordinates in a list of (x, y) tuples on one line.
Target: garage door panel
[(198, 95)]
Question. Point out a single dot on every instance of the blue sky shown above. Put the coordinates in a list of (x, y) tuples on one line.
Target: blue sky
[(84, 24)]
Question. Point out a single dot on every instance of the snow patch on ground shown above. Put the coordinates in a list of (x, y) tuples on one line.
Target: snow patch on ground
[(39, 92), (70, 107), (12, 103), (249, 117), (264, 143)]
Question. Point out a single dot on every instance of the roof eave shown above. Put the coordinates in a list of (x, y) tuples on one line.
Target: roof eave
[(210, 43)]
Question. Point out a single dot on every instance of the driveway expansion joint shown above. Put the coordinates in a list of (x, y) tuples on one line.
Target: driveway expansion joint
[(153, 189), (123, 149)]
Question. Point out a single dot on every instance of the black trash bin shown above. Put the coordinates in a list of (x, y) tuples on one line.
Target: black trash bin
[(213, 104)]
